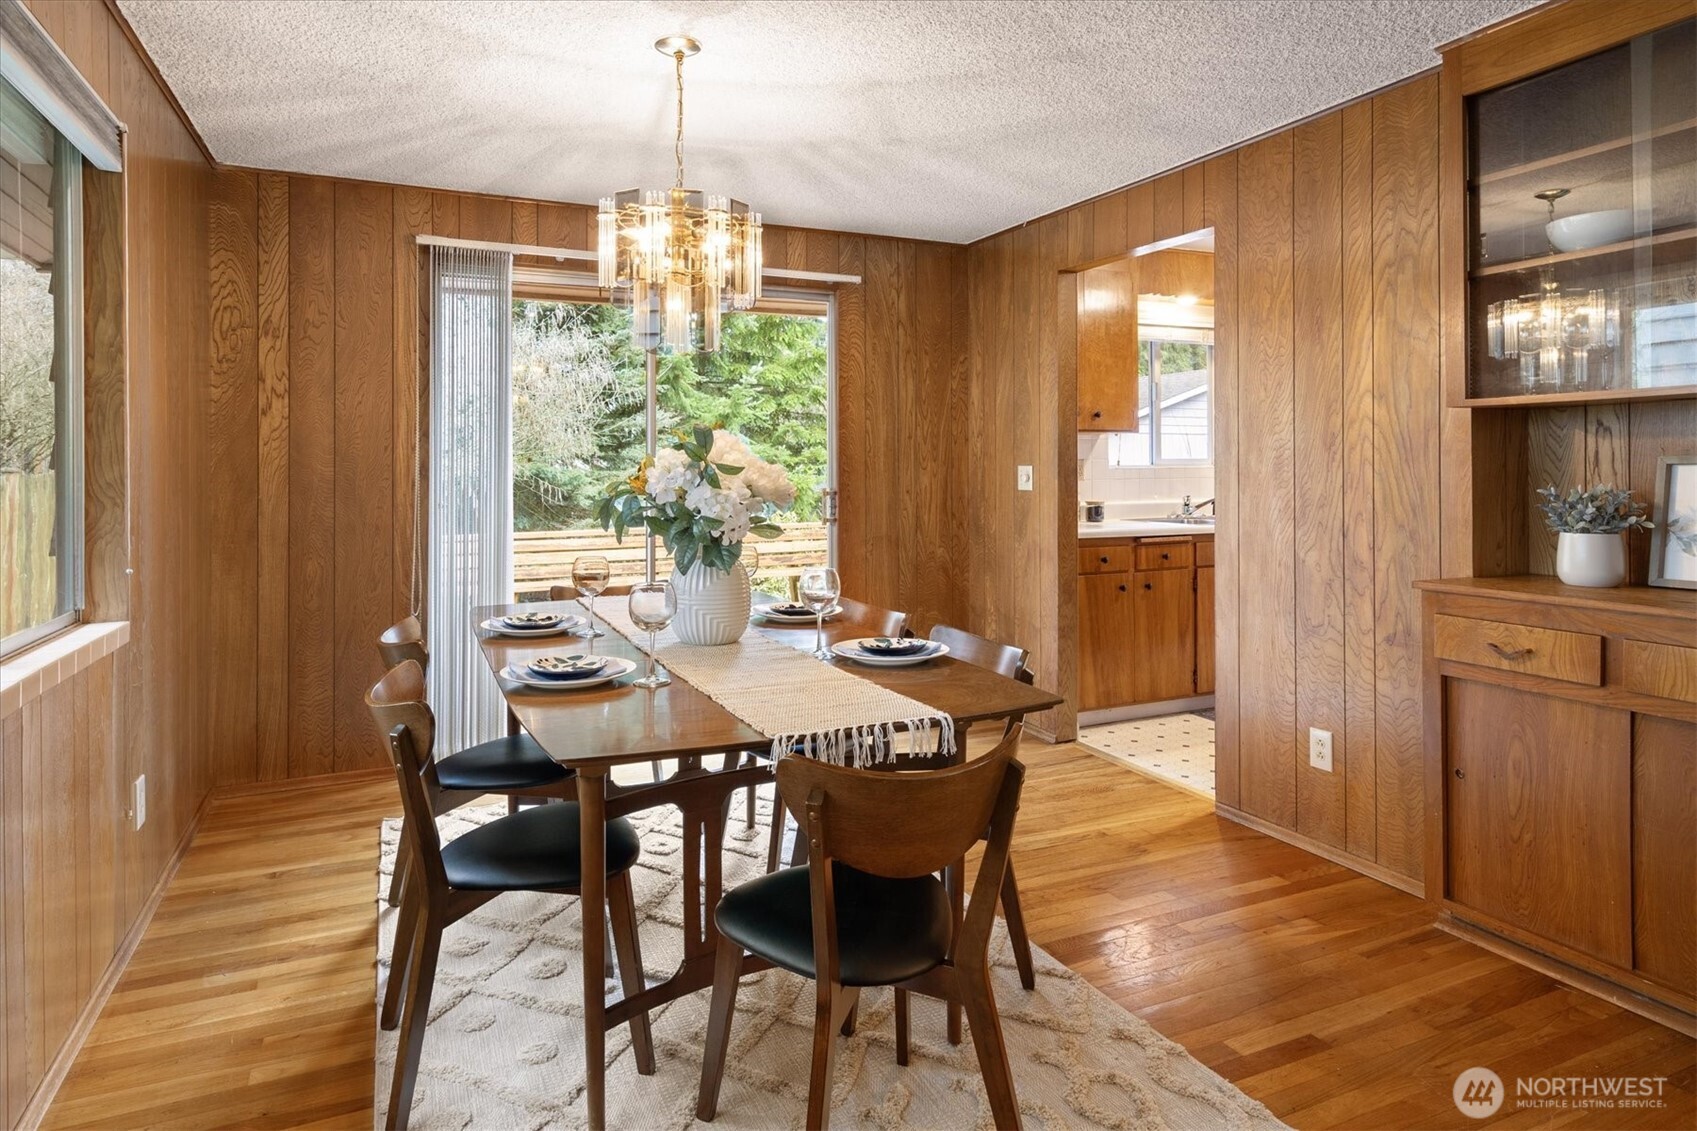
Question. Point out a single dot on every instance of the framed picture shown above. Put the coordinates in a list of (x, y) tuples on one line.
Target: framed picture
[(1673, 543)]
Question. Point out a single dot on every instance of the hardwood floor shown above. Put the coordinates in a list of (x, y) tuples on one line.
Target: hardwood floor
[(1326, 995)]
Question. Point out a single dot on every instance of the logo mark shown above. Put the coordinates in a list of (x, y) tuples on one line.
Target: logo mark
[(1478, 1093)]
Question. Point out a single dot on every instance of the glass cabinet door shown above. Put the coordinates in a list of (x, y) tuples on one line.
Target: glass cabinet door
[(1582, 201)]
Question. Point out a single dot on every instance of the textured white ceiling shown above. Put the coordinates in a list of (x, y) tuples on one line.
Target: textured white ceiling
[(939, 120)]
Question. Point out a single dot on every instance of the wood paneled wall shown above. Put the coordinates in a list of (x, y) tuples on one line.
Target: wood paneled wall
[(315, 382), (1328, 415), (74, 876)]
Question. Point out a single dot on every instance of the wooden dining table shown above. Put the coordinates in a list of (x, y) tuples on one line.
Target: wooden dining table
[(596, 730)]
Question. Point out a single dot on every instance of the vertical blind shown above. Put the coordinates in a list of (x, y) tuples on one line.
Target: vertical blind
[(471, 483)]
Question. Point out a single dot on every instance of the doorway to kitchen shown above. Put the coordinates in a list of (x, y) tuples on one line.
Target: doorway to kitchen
[(1145, 523)]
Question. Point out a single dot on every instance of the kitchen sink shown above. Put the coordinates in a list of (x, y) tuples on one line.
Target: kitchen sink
[(1193, 520)]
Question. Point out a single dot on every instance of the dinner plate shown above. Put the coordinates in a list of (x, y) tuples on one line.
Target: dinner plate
[(850, 650), (499, 628), (571, 667), (764, 612), (616, 666)]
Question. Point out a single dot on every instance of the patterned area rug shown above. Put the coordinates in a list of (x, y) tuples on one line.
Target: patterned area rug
[(504, 1045)]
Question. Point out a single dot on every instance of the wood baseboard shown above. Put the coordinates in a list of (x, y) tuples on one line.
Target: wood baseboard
[(315, 781), (1659, 1012), (42, 1098), (1337, 856)]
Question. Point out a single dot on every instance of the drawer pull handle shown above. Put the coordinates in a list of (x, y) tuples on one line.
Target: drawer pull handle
[(1508, 653), (1104, 561)]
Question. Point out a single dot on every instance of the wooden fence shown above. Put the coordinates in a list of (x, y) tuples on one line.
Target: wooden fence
[(544, 557), (28, 573)]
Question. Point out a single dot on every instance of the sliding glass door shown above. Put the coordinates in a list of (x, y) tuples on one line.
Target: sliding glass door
[(578, 424)]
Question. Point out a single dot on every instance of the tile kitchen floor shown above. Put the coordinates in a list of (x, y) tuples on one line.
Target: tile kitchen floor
[(1175, 749)]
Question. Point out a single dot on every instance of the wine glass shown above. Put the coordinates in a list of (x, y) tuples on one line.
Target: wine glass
[(652, 607), (590, 575), (820, 587)]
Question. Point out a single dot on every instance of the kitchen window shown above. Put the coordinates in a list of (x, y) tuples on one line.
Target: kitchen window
[(1175, 374), (41, 363)]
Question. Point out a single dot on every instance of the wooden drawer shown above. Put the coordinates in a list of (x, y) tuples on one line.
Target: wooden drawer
[(1663, 670), (1104, 557), (1204, 551), (1177, 554), (1575, 657)]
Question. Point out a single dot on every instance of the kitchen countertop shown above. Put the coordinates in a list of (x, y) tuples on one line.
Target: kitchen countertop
[(1140, 528)]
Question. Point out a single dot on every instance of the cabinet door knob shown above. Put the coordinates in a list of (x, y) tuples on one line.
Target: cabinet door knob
[(1508, 653), (1122, 589), (1095, 416), (1460, 773), (1147, 585)]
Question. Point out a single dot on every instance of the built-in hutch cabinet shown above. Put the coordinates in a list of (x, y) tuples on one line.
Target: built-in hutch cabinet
[(1145, 620), (1561, 722)]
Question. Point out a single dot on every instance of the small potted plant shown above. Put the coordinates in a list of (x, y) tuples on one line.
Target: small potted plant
[(1589, 525), (702, 495)]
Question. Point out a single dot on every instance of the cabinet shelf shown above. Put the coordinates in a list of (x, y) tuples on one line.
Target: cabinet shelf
[(1670, 238), (1558, 159), (1584, 396)]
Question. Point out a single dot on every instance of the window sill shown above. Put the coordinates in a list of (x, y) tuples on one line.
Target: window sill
[(31, 673)]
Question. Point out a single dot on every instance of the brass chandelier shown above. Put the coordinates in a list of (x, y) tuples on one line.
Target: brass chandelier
[(677, 257)]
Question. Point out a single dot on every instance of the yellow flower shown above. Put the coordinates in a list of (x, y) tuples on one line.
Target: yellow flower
[(639, 481)]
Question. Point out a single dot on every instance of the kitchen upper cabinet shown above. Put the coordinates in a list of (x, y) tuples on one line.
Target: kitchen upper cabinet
[(1107, 348), (1163, 643), (1205, 629), (1105, 630)]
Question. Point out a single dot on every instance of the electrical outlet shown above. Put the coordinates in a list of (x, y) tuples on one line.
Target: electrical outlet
[(1025, 477), (1320, 749), (139, 803)]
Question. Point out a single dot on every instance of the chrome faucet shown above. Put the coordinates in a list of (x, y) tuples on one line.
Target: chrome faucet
[(1187, 510)]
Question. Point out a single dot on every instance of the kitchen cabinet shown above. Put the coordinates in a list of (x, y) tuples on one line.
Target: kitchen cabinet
[(1163, 635), (1107, 348), (1142, 615), (1561, 782), (1205, 628), (1104, 639)]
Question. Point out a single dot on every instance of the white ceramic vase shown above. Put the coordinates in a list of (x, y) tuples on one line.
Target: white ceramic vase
[(713, 605), (1597, 561)]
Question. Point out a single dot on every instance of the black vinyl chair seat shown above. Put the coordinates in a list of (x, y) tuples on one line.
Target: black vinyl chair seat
[(500, 765), (888, 930), (533, 849)]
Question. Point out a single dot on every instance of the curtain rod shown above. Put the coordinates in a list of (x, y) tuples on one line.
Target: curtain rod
[(589, 256)]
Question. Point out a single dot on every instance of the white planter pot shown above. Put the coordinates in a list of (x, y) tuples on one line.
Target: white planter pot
[(713, 605), (1597, 561)]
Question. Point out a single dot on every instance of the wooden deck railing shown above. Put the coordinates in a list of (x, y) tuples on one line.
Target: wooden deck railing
[(544, 557)]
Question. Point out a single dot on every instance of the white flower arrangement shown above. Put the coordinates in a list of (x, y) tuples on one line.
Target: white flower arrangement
[(702, 495)]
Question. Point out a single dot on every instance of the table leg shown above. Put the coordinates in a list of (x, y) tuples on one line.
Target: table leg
[(592, 830), (954, 879)]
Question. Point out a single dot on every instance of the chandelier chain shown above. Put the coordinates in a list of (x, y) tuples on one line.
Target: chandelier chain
[(678, 142)]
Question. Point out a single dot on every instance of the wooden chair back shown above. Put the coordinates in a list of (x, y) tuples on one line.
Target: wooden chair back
[(882, 622), (570, 593), (398, 707), (982, 652), (896, 825), (402, 642)]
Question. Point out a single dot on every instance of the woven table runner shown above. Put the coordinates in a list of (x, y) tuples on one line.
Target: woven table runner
[(806, 706)]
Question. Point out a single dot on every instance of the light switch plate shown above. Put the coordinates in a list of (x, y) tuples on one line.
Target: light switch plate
[(1320, 749), (140, 801), (1025, 477)]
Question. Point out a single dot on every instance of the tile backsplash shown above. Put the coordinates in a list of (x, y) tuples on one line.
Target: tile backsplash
[(1136, 492)]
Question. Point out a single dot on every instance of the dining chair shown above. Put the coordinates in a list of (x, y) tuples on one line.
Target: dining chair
[(881, 622), (867, 910), (1006, 660), (514, 766), (536, 849)]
